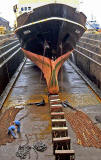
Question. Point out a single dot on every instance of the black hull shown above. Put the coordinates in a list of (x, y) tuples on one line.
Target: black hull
[(57, 28)]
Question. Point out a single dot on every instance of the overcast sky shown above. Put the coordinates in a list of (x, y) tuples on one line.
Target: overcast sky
[(89, 7)]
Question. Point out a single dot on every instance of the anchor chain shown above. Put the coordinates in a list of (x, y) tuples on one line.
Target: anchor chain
[(39, 146), (25, 149)]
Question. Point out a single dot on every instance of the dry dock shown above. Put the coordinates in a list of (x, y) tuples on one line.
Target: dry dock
[(30, 87)]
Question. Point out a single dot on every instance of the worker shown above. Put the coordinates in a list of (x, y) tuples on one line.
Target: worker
[(18, 124), (11, 130)]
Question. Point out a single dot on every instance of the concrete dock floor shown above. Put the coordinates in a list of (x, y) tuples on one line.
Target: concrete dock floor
[(31, 87)]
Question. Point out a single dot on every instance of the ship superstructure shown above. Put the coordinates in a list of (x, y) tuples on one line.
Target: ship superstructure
[(29, 5)]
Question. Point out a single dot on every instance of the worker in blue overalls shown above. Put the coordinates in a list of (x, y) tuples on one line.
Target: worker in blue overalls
[(12, 128), (18, 124)]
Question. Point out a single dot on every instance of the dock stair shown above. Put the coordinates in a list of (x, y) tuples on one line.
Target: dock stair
[(61, 141)]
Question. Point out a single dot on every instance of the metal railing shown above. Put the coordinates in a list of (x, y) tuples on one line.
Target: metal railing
[(6, 60), (99, 64), (9, 44)]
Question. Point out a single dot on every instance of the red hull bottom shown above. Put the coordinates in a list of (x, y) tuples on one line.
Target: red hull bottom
[(49, 67)]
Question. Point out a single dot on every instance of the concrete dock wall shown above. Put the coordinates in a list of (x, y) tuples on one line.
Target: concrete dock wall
[(87, 56), (10, 58)]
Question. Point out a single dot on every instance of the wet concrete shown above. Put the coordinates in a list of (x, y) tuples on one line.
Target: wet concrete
[(31, 87), (74, 88), (37, 126)]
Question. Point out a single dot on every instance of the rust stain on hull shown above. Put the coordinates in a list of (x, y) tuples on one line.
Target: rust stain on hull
[(49, 67)]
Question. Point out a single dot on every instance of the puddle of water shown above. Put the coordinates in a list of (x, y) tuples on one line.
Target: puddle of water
[(79, 99)]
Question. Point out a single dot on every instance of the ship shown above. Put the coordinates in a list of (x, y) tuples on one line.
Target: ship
[(48, 31), (92, 25)]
